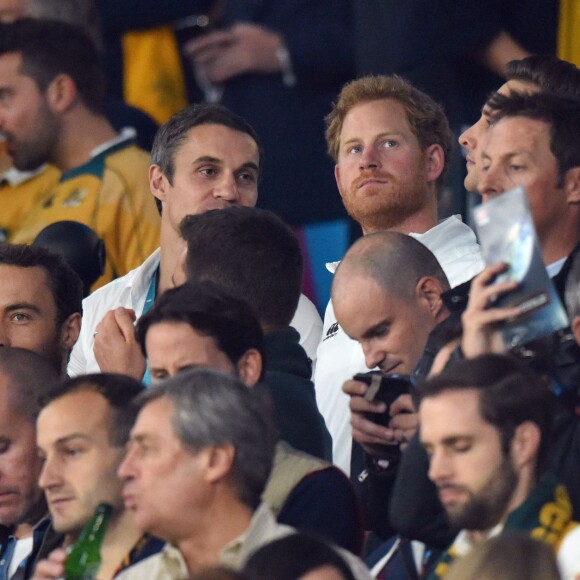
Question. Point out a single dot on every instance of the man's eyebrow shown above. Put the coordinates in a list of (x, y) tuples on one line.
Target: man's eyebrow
[(383, 134), (68, 438), (140, 437), (249, 165), (452, 439), (207, 159), (22, 306), (369, 333)]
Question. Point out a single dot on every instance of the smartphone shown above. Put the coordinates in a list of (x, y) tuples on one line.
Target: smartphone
[(385, 388)]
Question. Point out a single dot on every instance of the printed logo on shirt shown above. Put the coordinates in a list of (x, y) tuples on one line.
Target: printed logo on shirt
[(332, 330), (75, 198)]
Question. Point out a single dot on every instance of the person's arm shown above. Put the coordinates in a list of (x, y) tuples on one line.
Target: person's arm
[(502, 49), (306, 42)]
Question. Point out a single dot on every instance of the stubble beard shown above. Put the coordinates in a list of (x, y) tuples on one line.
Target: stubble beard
[(385, 206)]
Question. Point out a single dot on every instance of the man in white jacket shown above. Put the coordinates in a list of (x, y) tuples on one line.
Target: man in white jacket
[(391, 144), (205, 157)]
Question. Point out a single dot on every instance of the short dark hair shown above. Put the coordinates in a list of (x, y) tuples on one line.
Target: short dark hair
[(173, 133), (63, 282), (252, 254), (560, 113), (212, 408), (50, 48), (293, 556), (548, 73), (426, 118), (211, 311), (120, 392), (29, 377), (509, 394)]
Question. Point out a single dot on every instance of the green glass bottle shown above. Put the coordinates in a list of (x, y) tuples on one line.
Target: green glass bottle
[(84, 559)]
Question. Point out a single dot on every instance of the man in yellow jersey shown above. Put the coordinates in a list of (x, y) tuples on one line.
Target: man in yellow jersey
[(51, 96)]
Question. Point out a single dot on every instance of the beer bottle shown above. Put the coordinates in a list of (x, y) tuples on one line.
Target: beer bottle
[(84, 559)]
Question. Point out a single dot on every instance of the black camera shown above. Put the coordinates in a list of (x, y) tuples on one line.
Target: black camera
[(385, 388)]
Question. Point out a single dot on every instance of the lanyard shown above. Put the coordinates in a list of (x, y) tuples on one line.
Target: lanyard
[(149, 300)]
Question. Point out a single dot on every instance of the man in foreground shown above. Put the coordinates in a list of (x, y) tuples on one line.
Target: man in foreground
[(199, 457), (81, 453), (486, 426)]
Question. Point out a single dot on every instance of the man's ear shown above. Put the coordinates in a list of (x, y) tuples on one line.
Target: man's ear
[(434, 158), (218, 462), (250, 367), (428, 292), (525, 444), (70, 330), (158, 183), (572, 185), (61, 93)]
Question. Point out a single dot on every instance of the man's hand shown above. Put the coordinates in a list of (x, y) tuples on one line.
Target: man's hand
[(116, 348), (52, 568), (222, 55), (480, 319), (375, 438), (405, 420)]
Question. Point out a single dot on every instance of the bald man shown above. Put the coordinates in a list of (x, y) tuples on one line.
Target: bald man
[(387, 295)]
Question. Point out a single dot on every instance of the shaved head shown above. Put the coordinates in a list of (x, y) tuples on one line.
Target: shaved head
[(396, 262)]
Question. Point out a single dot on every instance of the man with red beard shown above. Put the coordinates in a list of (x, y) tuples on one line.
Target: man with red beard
[(391, 143), (486, 425)]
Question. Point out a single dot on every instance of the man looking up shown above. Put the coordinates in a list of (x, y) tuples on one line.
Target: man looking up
[(537, 73), (52, 89), (81, 453), (534, 143), (24, 525), (40, 303), (486, 426), (205, 157), (391, 144)]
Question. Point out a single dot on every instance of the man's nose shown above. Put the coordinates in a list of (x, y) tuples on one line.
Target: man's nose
[(491, 182), (369, 158), (227, 189)]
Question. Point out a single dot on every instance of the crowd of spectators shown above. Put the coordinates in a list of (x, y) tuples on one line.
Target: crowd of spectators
[(160, 354)]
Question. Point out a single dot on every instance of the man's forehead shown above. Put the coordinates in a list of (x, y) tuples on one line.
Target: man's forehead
[(209, 137), (63, 416), (376, 112), (518, 134)]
